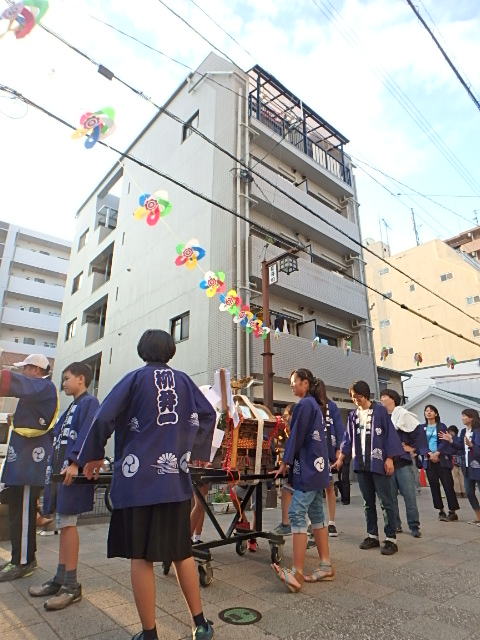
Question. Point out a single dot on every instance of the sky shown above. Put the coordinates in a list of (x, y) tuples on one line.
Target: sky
[(333, 54)]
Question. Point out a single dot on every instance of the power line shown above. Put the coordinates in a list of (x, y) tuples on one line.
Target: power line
[(217, 204), (449, 62)]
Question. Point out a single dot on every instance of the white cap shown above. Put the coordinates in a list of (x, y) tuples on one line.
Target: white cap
[(36, 360)]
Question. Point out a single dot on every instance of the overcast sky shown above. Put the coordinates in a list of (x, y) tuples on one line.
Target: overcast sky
[(45, 175)]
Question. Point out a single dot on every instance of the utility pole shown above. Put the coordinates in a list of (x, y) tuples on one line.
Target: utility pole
[(417, 238)]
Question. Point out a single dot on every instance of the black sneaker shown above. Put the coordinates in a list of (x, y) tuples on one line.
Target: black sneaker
[(332, 531), (370, 543), (66, 596), (389, 548), (399, 529), (49, 588), (452, 516), (416, 533), (442, 516)]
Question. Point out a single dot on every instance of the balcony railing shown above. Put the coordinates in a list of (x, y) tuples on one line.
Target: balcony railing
[(301, 141)]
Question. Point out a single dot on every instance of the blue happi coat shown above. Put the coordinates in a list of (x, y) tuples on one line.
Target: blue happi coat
[(73, 423), (31, 437), (337, 429), (306, 450), (161, 420), (444, 447), (384, 441), (472, 471), (416, 439)]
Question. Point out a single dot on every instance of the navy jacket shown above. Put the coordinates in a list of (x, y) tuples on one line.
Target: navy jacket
[(73, 424), (416, 439), (337, 429), (472, 471), (443, 447), (161, 420), (37, 408), (306, 450)]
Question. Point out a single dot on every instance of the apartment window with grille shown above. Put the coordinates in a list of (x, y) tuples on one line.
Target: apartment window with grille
[(476, 333), (473, 300), (446, 276), (391, 350), (180, 327), (384, 324), (83, 239), (412, 288), (34, 309), (328, 341), (383, 272), (77, 282), (29, 341), (40, 280), (387, 294), (71, 328), (189, 126)]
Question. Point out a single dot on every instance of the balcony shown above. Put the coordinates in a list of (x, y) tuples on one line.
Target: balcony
[(35, 290), (40, 261), (282, 208), (101, 268), (9, 346), (94, 319), (312, 286), (328, 363), (38, 321)]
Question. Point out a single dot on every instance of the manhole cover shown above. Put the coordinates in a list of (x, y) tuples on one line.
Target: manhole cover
[(240, 615)]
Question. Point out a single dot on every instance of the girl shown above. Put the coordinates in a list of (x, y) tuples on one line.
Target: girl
[(161, 420), (306, 455), (469, 446), (438, 464)]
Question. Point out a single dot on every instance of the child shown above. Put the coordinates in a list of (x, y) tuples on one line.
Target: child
[(306, 453), (373, 442), (457, 472), (161, 419), (284, 528), (68, 500)]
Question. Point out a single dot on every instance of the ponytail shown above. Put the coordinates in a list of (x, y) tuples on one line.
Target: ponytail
[(316, 387)]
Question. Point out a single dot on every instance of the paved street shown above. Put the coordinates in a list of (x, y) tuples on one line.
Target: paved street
[(430, 589)]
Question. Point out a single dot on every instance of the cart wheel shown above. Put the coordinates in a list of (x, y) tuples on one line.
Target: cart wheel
[(108, 503), (205, 574), (241, 548), (166, 568), (276, 553)]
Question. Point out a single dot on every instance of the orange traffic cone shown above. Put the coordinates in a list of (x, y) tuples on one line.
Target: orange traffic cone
[(423, 480)]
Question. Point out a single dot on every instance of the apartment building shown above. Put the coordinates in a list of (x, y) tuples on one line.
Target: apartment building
[(122, 277), (454, 275), (33, 272), (467, 242)]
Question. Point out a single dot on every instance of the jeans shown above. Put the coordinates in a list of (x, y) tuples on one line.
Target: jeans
[(304, 502), (403, 480), (371, 485), (470, 491)]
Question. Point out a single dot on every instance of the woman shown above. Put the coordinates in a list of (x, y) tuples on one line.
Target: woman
[(438, 464), (468, 444)]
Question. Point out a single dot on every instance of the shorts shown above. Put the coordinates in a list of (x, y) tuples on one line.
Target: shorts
[(241, 492), (156, 533), (288, 488), (304, 502), (64, 520)]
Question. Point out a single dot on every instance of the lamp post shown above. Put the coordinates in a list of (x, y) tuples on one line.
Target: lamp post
[(288, 264)]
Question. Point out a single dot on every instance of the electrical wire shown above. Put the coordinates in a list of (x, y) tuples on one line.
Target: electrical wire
[(219, 205)]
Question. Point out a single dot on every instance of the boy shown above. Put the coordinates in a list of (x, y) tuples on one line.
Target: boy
[(29, 446), (68, 500), (371, 439), (161, 420)]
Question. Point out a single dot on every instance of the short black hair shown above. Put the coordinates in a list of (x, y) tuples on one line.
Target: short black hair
[(360, 388), (453, 428), (156, 345), (80, 369), (394, 395)]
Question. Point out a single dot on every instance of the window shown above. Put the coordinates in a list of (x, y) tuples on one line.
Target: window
[(327, 340), (77, 282), (83, 239), (476, 333), (29, 341), (384, 324), (22, 308), (55, 314), (387, 294), (180, 327), (70, 331), (189, 126), (16, 339), (384, 272), (52, 345), (34, 309), (412, 288), (473, 299), (40, 280), (390, 350), (446, 276), (45, 253)]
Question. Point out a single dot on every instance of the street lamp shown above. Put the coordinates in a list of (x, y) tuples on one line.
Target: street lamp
[(288, 264)]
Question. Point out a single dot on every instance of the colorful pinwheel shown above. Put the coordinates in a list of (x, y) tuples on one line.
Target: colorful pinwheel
[(252, 325), (189, 254), (244, 315), (418, 358), (95, 125), (26, 19), (315, 342), (230, 302), (213, 283), (384, 353), (261, 331), (154, 207), (451, 362)]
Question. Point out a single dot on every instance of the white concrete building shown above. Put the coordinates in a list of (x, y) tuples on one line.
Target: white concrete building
[(449, 404), (464, 379), (122, 276)]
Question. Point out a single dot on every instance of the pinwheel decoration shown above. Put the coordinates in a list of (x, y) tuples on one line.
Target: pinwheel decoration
[(154, 207), (384, 353), (244, 315), (230, 302), (261, 331), (252, 325), (451, 362), (95, 125), (25, 18), (418, 358), (347, 346), (277, 334), (315, 342), (214, 282), (189, 253)]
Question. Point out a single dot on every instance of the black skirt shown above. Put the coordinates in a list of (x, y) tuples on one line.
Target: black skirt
[(157, 533)]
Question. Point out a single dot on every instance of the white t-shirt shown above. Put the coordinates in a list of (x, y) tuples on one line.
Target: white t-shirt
[(362, 421), (469, 435)]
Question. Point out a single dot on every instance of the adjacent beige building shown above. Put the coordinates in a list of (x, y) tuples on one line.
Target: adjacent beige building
[(451, 273)]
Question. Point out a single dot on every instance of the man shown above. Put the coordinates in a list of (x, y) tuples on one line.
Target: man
[(29, 447), (412, 436), (373, 443)]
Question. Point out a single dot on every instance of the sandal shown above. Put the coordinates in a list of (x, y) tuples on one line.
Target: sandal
[(288, 576), (324, 573)]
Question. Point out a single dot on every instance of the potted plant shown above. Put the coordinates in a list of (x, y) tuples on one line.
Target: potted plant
[(221, 502)]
